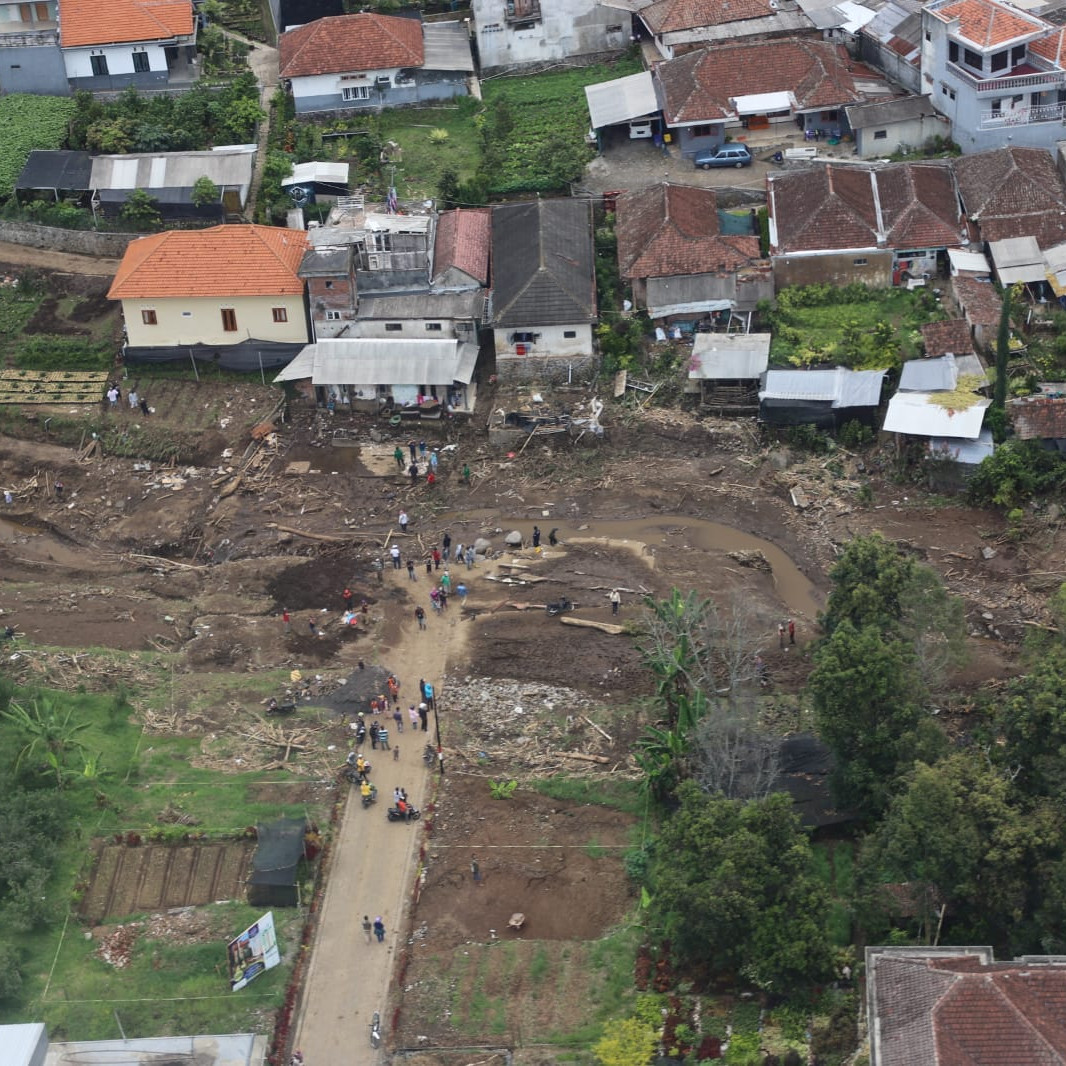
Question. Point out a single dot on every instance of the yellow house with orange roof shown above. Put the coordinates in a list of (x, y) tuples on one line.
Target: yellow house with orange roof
[(218, 287)]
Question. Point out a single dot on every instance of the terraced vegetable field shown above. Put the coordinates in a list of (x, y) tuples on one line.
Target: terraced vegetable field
[(52, 387)]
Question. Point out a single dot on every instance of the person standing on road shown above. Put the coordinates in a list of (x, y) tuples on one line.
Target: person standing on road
[(398, 456), (420, 614), (411, 570), (475, 871), (379, 929), (412, 714), (286, 620), (433, 460), (413, 471), (791, 631), (403, 521), (397, 717), (446, 546), (422, 448), (413, 447), (471, 556), (436, 558), (374, 735), (394, 552), (423, 714), (383, 738), (465, 476), (429, 697), (781, 635), (446, 581), (349, 599), (145, 410), (460, 591), (616, 600), (367, 925), (312, 627), (536, 536), (133, 399)]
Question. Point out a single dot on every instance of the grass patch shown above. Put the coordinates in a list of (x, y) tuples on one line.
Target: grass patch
[(851, 326), (547, 118), (29, 123), (425, 160), (625, 796), (834, 866)]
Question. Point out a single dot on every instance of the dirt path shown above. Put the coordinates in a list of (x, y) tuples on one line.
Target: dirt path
[(373, 866), (23, 255)]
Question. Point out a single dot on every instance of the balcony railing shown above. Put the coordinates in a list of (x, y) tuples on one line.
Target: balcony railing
[(27, 35), (1023, 116), (1022, 83)]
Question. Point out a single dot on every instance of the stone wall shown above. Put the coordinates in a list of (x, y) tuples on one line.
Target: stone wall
[(545, 370), (73, 241)]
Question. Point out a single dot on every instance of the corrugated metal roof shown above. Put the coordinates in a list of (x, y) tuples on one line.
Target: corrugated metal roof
[(446, 46), (232, 1049), (915, 414), (967, 452), (46, 169), (884, 112), (729, 357), (21, 1043), (383, 223), (929, 375), (372, 361), (621, 99), (1017, 259), (839, 386), (969, 261), (305, 173), (173, 170), (466, 304)]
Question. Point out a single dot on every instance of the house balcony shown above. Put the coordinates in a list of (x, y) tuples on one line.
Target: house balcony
[(1023, 116), (1042, 81), (28, 34), (521, 10)]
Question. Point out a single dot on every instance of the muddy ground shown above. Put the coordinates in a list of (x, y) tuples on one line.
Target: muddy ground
[(192, 565)]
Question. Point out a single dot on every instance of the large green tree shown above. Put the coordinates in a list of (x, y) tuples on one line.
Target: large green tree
[(735, 891)]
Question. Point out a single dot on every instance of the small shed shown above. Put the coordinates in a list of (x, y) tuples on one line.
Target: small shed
[(53, 175), (727, 368), (964, 262), (827, 399), (281, 847), (1018, 259), (311, 182), (621, 101), (884, 126), (1041, 416)]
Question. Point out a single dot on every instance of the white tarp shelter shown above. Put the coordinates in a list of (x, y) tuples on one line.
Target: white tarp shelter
[(966, 452), (1018, 259), (764, 103), (620, 100), (366, 362), (964, 261), (322, 171)]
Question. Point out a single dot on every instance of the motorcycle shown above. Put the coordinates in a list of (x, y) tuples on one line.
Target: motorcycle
[(412, 814), (288, 706), (355, 776), (370, 797), (561, 606), (429, 755), (375, 1030)]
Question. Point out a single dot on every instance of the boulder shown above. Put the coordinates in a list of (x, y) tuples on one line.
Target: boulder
[(512, 540), (481, 546)]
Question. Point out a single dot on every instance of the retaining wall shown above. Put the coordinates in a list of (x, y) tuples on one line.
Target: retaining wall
[(73, 241)]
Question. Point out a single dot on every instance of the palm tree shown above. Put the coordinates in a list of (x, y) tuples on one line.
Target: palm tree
[(50, 735)]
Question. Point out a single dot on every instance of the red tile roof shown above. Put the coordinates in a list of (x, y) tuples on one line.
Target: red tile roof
[(905, 205), (966, 1010), (464, 237), (341, 43), (700, 86), (85, 23), (1014, 192), (1051, 47), (987, 23), (979, 301), (1039, 417), (670, 16), (952, 336), (669, 230), (220, 261)]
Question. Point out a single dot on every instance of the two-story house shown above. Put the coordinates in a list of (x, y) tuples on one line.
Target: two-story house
[(996, 72), (118, 44), (514, 33), (366, 61), (30, 59), (219, 292)]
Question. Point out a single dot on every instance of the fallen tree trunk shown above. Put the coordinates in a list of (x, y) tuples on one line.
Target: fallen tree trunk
[(601, 759), (327, 537), (587, 623)]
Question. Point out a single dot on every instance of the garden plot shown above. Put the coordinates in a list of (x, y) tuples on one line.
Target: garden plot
[(52, 387), (131, 879)]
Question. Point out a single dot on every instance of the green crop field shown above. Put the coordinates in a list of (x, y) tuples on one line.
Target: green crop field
[(29, 122)]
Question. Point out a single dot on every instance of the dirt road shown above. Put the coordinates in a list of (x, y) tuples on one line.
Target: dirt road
[(45, 259), (374, 865)]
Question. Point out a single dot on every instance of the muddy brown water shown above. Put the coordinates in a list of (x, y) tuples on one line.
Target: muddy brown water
[(673, 533)]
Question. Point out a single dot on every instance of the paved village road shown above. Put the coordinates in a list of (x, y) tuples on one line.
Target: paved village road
[(374, 863)]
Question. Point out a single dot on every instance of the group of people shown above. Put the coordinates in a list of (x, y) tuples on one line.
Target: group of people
[(114, 396), (787, 627)]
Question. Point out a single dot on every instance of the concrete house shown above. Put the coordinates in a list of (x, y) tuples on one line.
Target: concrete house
[(30, 59), (679, 263), (958, 1005), (678, 26), (228, 287), (367, 61), (514, 33), (544, 289), (881, 128), (995, 71), (869, 224), (111, 45), (758, 84)]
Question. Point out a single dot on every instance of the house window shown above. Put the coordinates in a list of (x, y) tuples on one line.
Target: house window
[(997, 106), (1017, 55), (280, 314), (951, 94), (433, 327), (393, 327), (880, 135), (974, 60), (953, 51), (333, 316), (140, 62), (186, 314), (859, 262), (329, 284), (569, 334), (524, 338), (702, 131), (229, 320), (928, 35), (999, 61), (99, 65), (355, 92), (829, 116), (148, 317)]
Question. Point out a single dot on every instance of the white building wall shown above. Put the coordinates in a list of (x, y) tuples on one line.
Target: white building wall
[(119, 59), (551, 342), (199, 320), (325, 85)]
